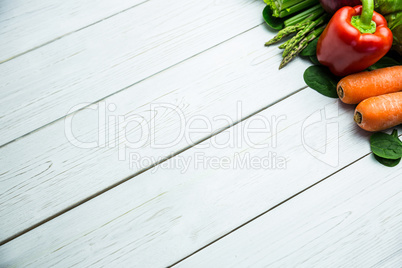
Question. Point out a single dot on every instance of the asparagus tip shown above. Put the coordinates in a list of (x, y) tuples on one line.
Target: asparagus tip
[(283, 64)]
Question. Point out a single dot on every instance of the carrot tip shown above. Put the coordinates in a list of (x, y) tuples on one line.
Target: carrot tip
[(358, 117), (340, 92)]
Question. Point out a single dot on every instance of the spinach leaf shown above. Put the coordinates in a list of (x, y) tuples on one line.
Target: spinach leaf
[(314, 60), (387, 162), (386, 146), (311, 49), (322, 80), (311, 52), (273, 22), (384, 62), (395, 135)]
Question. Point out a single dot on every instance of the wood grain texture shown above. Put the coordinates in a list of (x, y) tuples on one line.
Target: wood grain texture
[(44, 172), (47, 83), (164, 214), (28, 24), (352, 219)]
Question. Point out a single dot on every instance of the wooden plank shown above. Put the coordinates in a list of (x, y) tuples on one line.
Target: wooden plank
[(352, 219), (166, 213), (47, 171), (49, 82), (29, 24)]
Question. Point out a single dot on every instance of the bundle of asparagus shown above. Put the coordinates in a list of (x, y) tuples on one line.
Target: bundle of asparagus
[(306, 25)]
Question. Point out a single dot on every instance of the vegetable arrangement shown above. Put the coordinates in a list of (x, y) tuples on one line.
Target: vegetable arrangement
[(306, 26), (352, 58)]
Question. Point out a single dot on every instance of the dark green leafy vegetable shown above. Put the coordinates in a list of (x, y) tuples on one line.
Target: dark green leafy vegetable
[(395, 25), (392, 12), (322, 80), (387, 162), (273, 22), (311, 52), (314, 60), (384, 62), (386, 7), (386, 146)]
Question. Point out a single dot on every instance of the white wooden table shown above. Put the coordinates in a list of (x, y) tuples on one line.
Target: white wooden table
[(151, 133)]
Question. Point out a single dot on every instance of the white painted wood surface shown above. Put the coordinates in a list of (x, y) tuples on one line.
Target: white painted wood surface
[(29, 24), (206, 58), (352, 219), (170, 214), (46, 164), (111, 55)]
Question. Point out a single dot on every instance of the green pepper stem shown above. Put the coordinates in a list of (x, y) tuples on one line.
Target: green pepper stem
[(367, 13), (364, 22)]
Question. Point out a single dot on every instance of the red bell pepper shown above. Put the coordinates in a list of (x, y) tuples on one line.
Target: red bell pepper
[(354, 39)]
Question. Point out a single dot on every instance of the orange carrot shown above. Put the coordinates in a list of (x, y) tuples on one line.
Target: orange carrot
[(380, 112), (354, 88)]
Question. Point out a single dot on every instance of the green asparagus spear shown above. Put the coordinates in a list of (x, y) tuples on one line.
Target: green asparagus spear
[(285, 32), (302, 44), (299, 36), (291, 42)]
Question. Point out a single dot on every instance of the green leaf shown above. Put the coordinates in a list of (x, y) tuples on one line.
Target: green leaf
[(386, 146), (395, 134), (322, 80), (275, 23), (387, 162), (384, 62), (310, 49), (314, 60)]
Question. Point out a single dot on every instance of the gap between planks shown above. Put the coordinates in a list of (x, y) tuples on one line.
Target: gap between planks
[(47, 108), (66, 239), (144, 170), (319, 229), (228, 65), (268, 210), (272, 208), (245, 219), (129, 86), (69, 33)]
